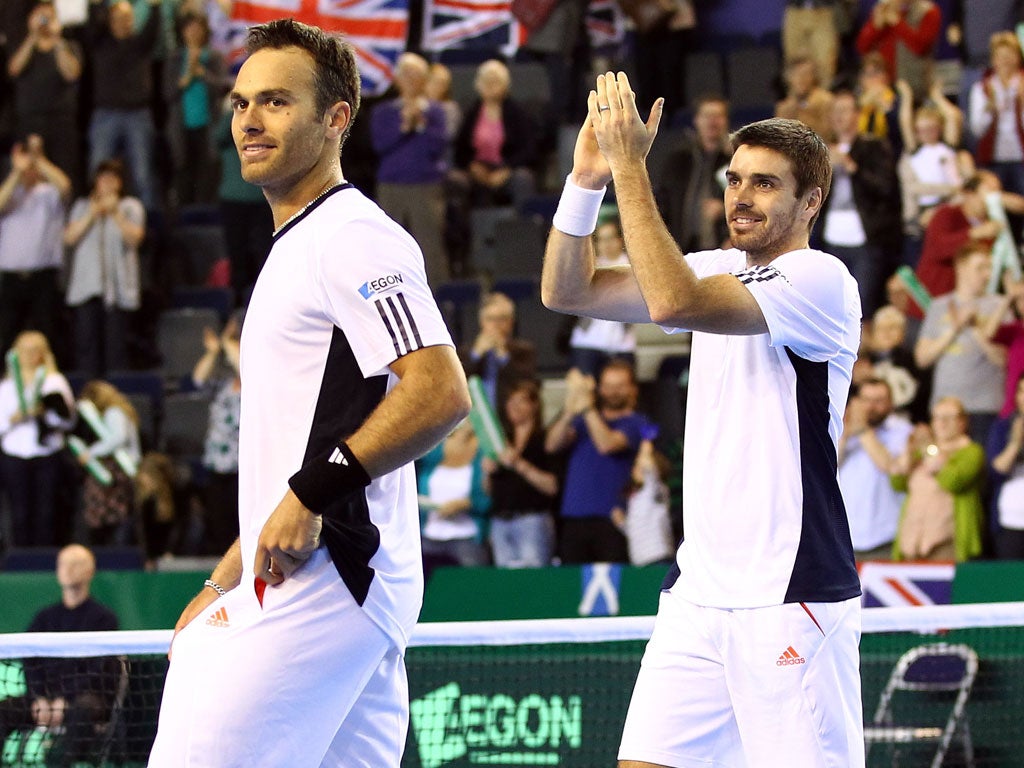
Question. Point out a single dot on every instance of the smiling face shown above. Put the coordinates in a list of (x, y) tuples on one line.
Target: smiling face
[(280, 136), (766, 217)]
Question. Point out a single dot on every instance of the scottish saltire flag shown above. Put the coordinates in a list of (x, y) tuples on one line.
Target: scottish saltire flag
[(606, 24), (471, 24), (377, 29), (891, 584)]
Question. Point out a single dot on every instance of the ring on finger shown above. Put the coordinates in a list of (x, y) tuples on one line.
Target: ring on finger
[(603, 107)]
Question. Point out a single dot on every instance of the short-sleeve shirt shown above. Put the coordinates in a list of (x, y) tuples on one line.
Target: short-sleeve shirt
[(343, 295), (596, 482), (764, 519), (871, 502), (964, 370), (31, 229)]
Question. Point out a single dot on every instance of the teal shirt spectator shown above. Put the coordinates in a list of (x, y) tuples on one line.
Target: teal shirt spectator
[(479, 499), (195, 98), (232, 186)]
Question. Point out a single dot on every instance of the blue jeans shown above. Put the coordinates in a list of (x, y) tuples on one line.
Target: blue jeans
[(129, 133), (467, 552), (524, 541)]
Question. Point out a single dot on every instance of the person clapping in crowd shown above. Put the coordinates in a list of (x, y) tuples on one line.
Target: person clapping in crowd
[(410, 137), (522, 484), (45, 70), (195, 79), (104, 232), (32, 200), (497, 356), (873, 436), (954, 339), (601, 432), (996, 109), (941, 471), (220, 450)]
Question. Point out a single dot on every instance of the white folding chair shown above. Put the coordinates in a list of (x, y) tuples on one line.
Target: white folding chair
[(930, 670)]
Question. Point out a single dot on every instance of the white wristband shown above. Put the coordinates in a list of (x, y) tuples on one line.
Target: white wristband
[(578, 209)]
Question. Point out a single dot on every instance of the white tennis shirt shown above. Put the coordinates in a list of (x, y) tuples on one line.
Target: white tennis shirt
[(763, 516), (343, 295)]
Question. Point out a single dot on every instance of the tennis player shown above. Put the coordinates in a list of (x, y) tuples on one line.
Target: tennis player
[(293, 653), (753, 660)]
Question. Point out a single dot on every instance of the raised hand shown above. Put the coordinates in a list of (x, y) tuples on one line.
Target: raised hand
[(623, 136)]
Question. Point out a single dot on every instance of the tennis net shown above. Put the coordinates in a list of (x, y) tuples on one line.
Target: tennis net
[(531, 693)]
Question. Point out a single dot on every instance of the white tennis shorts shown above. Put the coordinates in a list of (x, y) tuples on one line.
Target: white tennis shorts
[(304, 680), (775, 686)]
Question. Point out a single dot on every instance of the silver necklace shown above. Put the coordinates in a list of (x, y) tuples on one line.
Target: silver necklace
[(330, 185)]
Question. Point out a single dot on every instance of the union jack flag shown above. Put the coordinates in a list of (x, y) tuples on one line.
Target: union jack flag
[(471, 24), (606, 24), (377, 29), (890, 584)]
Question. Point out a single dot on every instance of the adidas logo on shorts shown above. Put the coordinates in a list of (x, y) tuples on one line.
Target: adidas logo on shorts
[(219, 619), (790, 657)]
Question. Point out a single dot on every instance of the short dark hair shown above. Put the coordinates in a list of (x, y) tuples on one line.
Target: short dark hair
[(112, 166), (709, 97), (875, 381), (619, 364), (188, 17), (808, 155), (335, 75)]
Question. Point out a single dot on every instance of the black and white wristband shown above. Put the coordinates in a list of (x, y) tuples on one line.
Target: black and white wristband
[(332, 475)]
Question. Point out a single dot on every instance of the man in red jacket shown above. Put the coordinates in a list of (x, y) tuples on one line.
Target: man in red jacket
[(957, 223)]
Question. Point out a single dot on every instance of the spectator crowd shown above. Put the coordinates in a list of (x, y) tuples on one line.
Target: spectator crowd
[(122, 207)]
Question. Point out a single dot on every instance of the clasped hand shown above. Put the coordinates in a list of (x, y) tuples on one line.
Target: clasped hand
[(614, 134), (288, 539)]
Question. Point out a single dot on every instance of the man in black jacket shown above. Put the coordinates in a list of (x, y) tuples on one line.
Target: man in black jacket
[(690, 190), (861, 216)]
